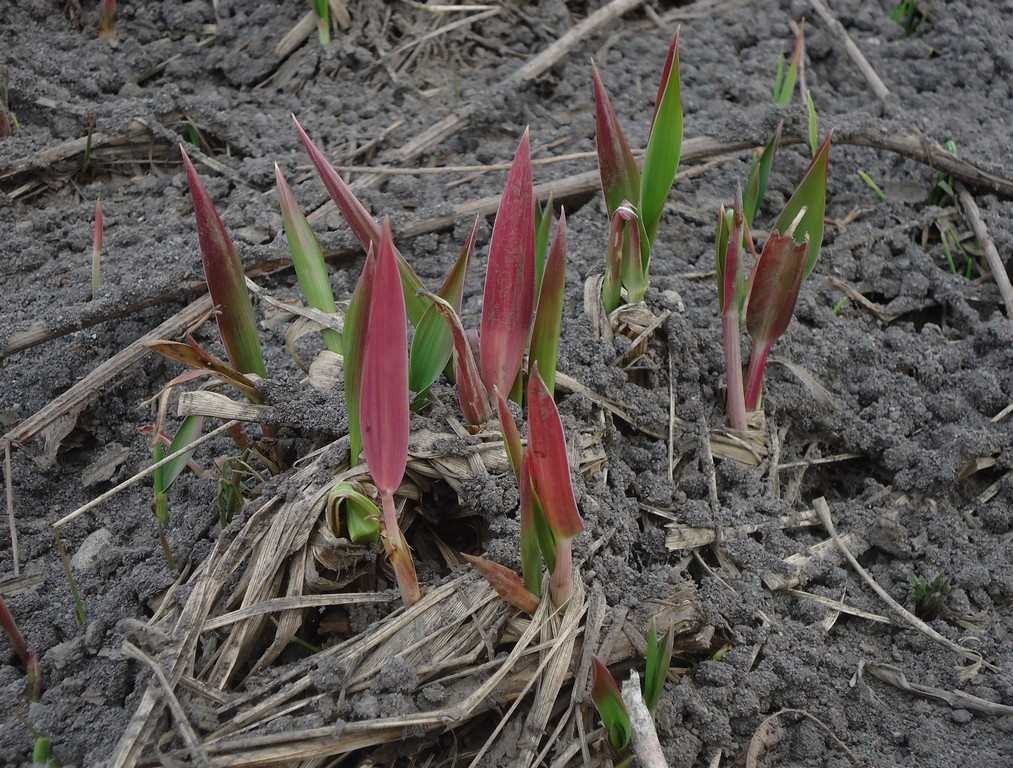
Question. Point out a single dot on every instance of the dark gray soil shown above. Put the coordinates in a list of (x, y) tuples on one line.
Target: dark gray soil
[(915, 390)]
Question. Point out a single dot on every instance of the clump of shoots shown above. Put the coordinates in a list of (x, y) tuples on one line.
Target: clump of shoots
[(767, 300), (307, 258), (640, 193), (784, 80), (608, 699), (107, 20), (96, 251), (384, 406), (911, 15)]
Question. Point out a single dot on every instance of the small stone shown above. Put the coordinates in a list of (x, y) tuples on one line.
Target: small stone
[(960, 716), (97, 543)]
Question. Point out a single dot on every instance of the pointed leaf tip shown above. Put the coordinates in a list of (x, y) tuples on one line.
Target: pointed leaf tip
[(384, 396), (509, 302), (550, 468), (226, 279)]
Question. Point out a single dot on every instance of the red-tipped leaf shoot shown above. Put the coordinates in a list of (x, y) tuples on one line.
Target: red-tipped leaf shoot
[(226, 280), (509, 302), (620, 176)]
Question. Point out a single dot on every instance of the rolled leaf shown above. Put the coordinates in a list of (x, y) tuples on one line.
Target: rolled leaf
[(612, 283), (472, 392), (226, 280), (383, 399), (544, 349), (773, 293), (433, 342), (620, 176), (661, 159), (362, 521), (322, 9), (811, 195), (509, 299), (354, 338), (609, 703), (634, 271), (543, 228), (96, 250), (507, 583), (363, 225), (550, 468), (531, 562), (730, 300), (307, 258)]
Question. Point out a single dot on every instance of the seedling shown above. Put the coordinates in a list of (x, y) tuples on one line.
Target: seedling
[(107, 20), (641, 194), (96, 250), (930, 596), (323, 12), (871, 184), (384, 405), (82, 616), (307, 258), (768, 299), (223, 270), (29, 659), (784, 80), (609, 700), (910, 14), (362, 517)]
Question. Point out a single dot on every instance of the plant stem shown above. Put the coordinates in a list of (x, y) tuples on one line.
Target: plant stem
[(561, 581), (754, 376), (733, 370), (399, 555)]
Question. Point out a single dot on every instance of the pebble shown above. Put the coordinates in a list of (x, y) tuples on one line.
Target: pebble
[(960, 716)]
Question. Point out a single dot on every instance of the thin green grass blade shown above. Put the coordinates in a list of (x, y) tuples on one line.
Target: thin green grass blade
[(308, 259), (659, 658), (543, 228), (188, 431), (664, 147), (544, 349)]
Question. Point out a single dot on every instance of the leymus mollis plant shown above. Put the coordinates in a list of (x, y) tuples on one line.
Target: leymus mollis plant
[(635, 197)]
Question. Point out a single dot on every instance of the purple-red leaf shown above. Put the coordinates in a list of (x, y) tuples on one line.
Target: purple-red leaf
[(363, 225), (620, 176), (550, 468), (470, 389), (384, 397), (507, 583), (773, 292), (509, 303), (609, 702), (226, 280)]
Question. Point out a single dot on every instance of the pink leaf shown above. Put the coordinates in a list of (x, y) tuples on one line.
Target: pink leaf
[(509, 303), (384, 397), (550, 468)]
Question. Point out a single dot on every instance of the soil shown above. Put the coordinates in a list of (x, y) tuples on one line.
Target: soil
[(911, 445)]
